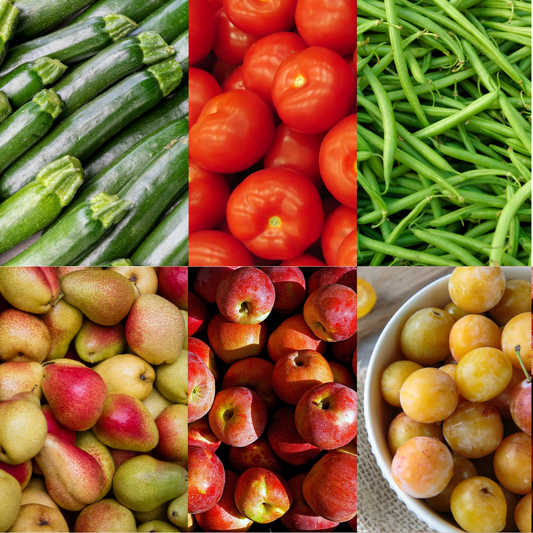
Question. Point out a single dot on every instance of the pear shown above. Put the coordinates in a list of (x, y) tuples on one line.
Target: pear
[(103, 296), (77, 408), (155, 403), (63, 322), (23, 428), (155, 329), (173, 437), (63, 271), (18, 377), (177, 512), (106, 516), (157, 514), (127, 374), (157, 526), (36, 492), (144, 278), (31, 289), (33, 518), (171, 380), (95, 343), (23, 337), (126, 424), (185, 315), (10, 498), (73, 477), (121, 456), (144, 483), (22, 472)]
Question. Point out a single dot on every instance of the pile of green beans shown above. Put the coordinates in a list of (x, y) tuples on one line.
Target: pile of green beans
[(444, 132)]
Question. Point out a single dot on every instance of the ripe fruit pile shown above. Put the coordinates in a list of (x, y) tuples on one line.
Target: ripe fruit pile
[(272, 400), (83, 447), (462, 439)]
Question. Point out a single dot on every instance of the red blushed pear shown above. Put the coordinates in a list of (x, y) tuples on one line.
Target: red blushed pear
[(289, 284), (172, 285), (330, 275), (207, 280), (206, 480), (21, 472), (201, 388), (56, 428), (520, 406), (259, 453), (263, 496), (204, 351), (238, 416), (197, 314), (75, 394), (121, 456), (200, 434)]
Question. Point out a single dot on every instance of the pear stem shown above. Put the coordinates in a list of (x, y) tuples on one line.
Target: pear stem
[(61, 294)]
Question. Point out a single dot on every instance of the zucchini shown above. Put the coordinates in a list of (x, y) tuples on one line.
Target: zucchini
[(136, 11), (181, 45), (23, 83), (88, 223), (5, 107), (108, 67), (152, 191), (170, 20), (8, 22), (39, 203), (71, 44), (171, 109), (89, 127), (26, 126), (168, 244)]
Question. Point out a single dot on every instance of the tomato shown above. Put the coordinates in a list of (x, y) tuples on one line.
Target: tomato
[(208, 196), (233, 81), (347, 254), (233, 132), (231, 44), (201, 30), (304, 260), (263, 60), (259, 17), (313, 90), (202, 87), (329, 23), (215, 248), (337, 227), (338, 160), (277, 213), (215, 4), (296, 150), (355, 61), (222, 71)]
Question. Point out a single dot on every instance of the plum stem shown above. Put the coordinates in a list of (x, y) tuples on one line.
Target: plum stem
[(517, 352)]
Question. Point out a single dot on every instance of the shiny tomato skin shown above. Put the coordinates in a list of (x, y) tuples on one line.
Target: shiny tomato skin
[(202, 87), (329, 23), (276, 212), (337, 227), (222, 71), (259, 17), (233, 132), (201, 30), (264, 58), (234, 81), (303, 260), (215, 4), (347, 254), (299, 151), (215, 248), (313, 90), (338, 160)]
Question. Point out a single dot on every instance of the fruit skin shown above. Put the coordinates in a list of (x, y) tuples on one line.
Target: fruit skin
[(36, 492), (207, 280), (173, 285), (106, 516), (22, 472), (10, 499), (199, 433), (259, 453), (155, 403), (103, 296), (171, 380), (518, 332), (172, 427), (20, 377), (329, 275), (157, 526), (204, 351), (289, 285), (200, 388), (197, 314), (56, 428), (520, 406), (522, 513), (177, 511), (512, 462), (155, 329), (35, 517), (206, 479), (144, 279), (95, 343)]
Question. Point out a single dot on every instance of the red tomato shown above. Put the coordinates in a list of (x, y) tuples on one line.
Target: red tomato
[(336, 228), (263, 60), (201, 30), (215, 248), (329, 23), (347, 254), (222, 71), (231, 44), (208, 196), (259, 17), (313, 90), (355, 60), (338, 158), (233, 132), (215, 4), (304, 260), (202, 87), (296, 150), (233, 81), (277, 213)]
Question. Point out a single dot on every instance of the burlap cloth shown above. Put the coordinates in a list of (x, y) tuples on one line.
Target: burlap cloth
[(378, 507)]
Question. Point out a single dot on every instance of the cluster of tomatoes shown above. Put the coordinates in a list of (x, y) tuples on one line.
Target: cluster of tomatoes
[(272, 170)]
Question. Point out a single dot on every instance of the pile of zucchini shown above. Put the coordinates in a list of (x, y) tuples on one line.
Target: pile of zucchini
[(94, 131)]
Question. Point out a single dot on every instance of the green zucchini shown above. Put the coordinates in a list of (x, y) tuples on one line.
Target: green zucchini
[(108, 67), (136, 11), (8, 22), (168, 244), (170, 20), (152, 191), (26, 126), (83, 228), (89, 127), (23, 83), (5, 107), (39, 203), (181, 45), (171, 109), (71, 44)]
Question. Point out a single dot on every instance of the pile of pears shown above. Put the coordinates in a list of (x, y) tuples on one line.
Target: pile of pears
[(93, 399)]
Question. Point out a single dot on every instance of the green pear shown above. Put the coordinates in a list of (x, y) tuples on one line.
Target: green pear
[(157, 514), (155, 403), (63, 322), (34, 518), (157, 526), (95, 343), (23, 428), (144, 278), (106, 516), (178, 512), (127, 374), (173, 437), (185, 315), (20, 377), (171, 380), (10, 498), (36, 492), (103, 296), (144, 483)]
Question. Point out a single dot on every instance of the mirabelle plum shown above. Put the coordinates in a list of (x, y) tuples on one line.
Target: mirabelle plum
[(522, 514), (403, 428), (517, 332), (503, 400), (512, 463), (366, 298), (393, 378), (455, 311), (516, 299), (471, 332)]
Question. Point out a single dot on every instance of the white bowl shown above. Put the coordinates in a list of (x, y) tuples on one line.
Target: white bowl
[(379, 414)]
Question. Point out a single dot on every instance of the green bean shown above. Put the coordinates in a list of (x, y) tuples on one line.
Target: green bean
[(482, 160)]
